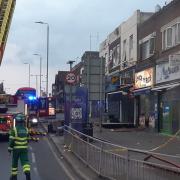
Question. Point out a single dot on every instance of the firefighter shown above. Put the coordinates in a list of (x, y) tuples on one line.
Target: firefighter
[(18, 145)]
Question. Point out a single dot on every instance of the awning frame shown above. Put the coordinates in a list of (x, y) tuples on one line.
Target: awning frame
[(166, 86)]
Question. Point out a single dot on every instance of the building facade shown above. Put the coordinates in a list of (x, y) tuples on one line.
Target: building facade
[(2, 88), (58, 89), (6, 13), (92, 77), (157, 77), (121, 57)]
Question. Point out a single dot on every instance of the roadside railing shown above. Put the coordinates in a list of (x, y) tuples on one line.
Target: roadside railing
[(117, 162)]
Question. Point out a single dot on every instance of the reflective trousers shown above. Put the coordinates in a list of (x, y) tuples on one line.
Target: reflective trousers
[(21, 154)]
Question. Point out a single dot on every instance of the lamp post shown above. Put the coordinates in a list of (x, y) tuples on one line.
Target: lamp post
[(39, 72), (36, 75), (29, 72), (70, 63), (44, 23)]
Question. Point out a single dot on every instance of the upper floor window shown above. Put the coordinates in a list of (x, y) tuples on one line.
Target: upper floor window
[(171, 36), (124, 58), (147, 48), (131, 47)]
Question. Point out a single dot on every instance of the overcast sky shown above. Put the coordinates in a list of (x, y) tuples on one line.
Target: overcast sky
[(71, 23)]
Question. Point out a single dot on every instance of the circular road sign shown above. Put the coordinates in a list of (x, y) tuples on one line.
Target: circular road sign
[(71, 78)]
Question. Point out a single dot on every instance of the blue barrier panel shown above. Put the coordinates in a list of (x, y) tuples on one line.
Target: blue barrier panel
[(76, 112)]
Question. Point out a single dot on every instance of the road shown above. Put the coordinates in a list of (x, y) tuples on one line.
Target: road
[(44, 163)]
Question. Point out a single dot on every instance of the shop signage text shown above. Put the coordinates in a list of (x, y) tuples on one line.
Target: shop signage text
[(166, 72), (144, 78)]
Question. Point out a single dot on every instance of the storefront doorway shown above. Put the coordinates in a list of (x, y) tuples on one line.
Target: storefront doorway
[(166, 118), (170, 111)]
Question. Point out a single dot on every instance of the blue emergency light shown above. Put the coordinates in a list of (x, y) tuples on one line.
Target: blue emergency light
[(31, 98)]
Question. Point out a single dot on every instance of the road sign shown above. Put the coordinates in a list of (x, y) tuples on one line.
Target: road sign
[(71, 78), (76, 113)]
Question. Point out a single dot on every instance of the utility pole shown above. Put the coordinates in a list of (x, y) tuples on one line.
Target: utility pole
[(47, 52), (70, 63), (40, 73), (36, 76)]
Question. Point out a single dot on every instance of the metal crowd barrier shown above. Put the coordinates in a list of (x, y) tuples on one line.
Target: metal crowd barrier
[(117, 162)]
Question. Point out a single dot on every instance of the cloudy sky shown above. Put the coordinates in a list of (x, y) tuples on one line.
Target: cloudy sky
[(71, 23)]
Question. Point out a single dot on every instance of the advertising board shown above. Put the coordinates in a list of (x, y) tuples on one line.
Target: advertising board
[(166, 72), (144, 78)]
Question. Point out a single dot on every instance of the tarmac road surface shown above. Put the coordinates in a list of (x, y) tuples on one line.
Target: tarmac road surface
[(44, 163)]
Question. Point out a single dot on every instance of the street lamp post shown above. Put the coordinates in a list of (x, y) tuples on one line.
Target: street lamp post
[(47, 73), (36, 75), (40, 72), (70, 63), (29, 73)]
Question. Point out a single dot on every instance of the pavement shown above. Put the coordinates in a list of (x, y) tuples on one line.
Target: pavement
[(139, 139), (166, 148), (142, 139)]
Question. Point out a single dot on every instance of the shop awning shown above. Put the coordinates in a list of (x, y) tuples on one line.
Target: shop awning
[(167, 86), (142, 91), (116, 92)]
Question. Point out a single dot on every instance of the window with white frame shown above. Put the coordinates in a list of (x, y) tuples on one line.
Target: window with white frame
[(171, 36), (124, 58), (131, 47), (147, 48)]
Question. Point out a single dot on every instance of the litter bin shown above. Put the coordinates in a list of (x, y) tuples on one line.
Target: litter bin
[(88, 130), (60, 130), (50, 128)]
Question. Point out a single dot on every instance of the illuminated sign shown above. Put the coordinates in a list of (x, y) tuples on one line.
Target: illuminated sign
[(167, 72), (144, 79), (51, 111), (114, 79)]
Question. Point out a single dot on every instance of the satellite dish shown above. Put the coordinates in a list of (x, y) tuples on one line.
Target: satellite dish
[(157, 8)]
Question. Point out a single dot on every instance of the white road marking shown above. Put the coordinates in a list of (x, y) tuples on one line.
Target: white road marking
[(30, 147), (35, 169), (33, 158), (37, 177)]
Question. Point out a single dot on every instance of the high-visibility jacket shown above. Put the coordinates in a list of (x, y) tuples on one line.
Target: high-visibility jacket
[(18, 138)]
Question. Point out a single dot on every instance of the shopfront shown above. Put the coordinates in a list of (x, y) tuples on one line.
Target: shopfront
[(168, 88), (145, 98), (112, 105), (120, 100)]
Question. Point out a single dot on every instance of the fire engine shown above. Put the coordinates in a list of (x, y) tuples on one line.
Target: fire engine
[(6, 122)]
